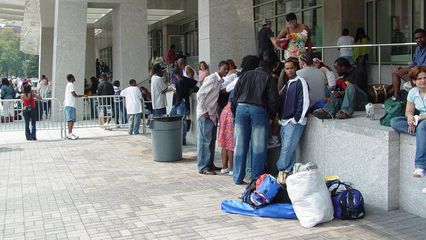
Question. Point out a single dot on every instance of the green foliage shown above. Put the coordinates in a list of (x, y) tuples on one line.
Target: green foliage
[(13, 62)]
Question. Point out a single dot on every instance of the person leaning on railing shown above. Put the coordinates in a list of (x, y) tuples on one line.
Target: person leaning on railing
[(29, 112), (7, 92), (413, 123), (419, 59)]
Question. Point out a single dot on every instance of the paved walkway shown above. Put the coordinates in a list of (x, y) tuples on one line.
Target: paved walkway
[(106, 186)]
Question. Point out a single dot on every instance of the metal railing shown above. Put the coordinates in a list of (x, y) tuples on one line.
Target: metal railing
[(48, 114), (108, 112), (378, 46)]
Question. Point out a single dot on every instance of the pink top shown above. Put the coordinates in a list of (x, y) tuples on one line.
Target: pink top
[(202, 74)]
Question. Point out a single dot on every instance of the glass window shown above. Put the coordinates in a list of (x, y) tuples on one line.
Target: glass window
[(311, 3), (264, 11), (287, 6), (418, 6), (313, 19)]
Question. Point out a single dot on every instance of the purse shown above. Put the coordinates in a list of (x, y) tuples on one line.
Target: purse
[(26, 109), (378, 93)]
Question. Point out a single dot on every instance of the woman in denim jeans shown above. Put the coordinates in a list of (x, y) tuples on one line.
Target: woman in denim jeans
[(29, 112), (295, 105), (413, 123)]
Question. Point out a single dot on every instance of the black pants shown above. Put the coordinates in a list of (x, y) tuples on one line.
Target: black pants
[(30, 116)]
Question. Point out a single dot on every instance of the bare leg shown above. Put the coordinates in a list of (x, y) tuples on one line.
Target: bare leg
[(230, 159), (70, 127), (223, 155)]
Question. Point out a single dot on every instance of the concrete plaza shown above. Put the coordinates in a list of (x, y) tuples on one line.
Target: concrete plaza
[(106, 186)]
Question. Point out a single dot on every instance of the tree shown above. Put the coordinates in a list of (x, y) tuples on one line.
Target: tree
[(13, 62)]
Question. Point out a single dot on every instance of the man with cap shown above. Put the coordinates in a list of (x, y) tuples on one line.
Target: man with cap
[(159, 88), (266, 38)]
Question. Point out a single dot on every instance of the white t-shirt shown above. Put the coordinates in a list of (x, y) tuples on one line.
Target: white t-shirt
[(345, 40), (158, 92), (133, 99), (69, 100)]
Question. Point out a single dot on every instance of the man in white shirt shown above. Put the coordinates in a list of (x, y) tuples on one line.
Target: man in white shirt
[(346, 39), (69, 104), (134, 106), (207, 117), (159, 89)]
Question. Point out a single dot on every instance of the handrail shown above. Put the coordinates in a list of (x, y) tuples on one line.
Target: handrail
[(379, 53)]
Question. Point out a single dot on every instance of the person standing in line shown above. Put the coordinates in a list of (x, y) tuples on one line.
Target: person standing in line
[(29, 112), (69, 105), (203, 72), (171, 55), (119, 110), (159, 89), (346, 39), (293, 119), (133, 98), (105, 89), (256, 99), (207, 117), (360, 54), (7, 92)]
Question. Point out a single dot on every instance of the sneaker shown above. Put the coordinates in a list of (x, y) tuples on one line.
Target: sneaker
[(72, 136), (282, 176), (418, 173), (224, 170), (424, 190), (231, 173), (322, 114)]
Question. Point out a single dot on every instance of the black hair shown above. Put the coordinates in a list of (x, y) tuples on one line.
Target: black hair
[(221, 63), (70, 77), (132, 82), (172, 46), (307, 58), (341, 61), (5, 81), (293, 60), (345, 32), (360, 33), (419, 30), (290, 16), (27, 88), (271, 54), (116, 83), (157, 68), (266, 65), (249, 62)]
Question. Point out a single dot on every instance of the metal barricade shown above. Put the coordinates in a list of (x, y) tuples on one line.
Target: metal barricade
[(48, 114)]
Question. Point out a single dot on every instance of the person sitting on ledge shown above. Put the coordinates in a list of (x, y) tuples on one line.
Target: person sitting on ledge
[(419, 59), (342, 104), (412, 123)]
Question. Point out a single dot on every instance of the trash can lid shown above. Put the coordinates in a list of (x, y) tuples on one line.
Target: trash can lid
[(167, 118)]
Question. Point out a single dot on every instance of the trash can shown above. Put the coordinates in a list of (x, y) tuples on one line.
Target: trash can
[(166, 133)]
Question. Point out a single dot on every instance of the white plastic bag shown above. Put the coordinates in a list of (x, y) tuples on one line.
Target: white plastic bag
[(310, 197)]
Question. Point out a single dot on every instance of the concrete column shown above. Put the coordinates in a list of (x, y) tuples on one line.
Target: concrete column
[(46, 52), (130, 42), (69, 45), (226, 30), (90, 54)]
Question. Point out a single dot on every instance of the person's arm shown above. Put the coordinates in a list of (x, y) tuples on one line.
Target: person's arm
[(76, 95), (283, 34), (202, 94), (409, 113), (309, 40), (302, 102)]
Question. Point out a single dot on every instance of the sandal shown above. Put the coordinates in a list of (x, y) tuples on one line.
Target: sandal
[(342, 115), (322, 114)]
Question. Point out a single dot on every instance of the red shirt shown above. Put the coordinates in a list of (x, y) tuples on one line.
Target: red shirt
[(29, 101), (170, 57)]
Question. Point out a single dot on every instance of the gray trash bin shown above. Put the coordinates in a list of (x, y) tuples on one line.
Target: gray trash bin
[(166, 133)]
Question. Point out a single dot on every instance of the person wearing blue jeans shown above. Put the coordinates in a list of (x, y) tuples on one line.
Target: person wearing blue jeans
[(180, 110), (255, 99), (159, 112), (206, 138), (250, 127), (414, 123), (134, 123), (295, 105)]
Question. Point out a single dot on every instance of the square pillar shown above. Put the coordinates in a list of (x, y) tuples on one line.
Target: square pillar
[(46, 52), (226, 30), (90, 54), (130, 42), (69, 45)]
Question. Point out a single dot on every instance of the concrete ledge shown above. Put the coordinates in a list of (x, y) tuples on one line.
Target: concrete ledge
[(358, 150)]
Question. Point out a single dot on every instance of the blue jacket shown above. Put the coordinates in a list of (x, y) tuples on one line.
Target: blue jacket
[(295, 101)]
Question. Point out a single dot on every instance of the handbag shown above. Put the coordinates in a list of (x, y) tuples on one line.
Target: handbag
[(27, 108), (378, 93), (393, 108), (348, 203)]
